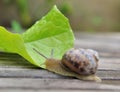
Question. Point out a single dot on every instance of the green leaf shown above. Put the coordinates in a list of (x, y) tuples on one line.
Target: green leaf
[(51, 32), (13, 43), (10, 42)]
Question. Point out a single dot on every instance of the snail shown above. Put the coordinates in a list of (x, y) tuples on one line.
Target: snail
[(80, 61)]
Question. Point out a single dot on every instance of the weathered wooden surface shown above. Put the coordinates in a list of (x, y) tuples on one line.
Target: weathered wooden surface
[(18, 75)]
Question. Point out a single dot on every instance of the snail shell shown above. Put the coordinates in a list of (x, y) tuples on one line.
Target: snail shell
[(81, 61)]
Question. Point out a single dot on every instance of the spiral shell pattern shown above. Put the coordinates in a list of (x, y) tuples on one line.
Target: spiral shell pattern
[(81, 61)]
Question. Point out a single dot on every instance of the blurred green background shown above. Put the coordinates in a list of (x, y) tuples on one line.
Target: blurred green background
[(84, 15)]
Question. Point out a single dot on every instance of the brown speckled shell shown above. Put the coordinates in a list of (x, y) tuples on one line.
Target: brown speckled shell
[(81, 61)]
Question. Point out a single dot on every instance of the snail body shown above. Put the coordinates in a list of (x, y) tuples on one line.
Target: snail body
[(81, 61)]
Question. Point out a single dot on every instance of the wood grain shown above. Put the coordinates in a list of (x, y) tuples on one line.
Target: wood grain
[(49, 84)]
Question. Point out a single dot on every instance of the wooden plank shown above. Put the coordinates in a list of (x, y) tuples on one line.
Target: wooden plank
[(17, 61), (104, 63), (111, 82), (14, 60), (108, 77), (47, 84), (40, 73), (51, 90), (98, 46), (100, 42), (109, 63)]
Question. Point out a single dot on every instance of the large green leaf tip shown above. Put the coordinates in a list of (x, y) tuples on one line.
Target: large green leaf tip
[(53, 31), (13, 43)]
